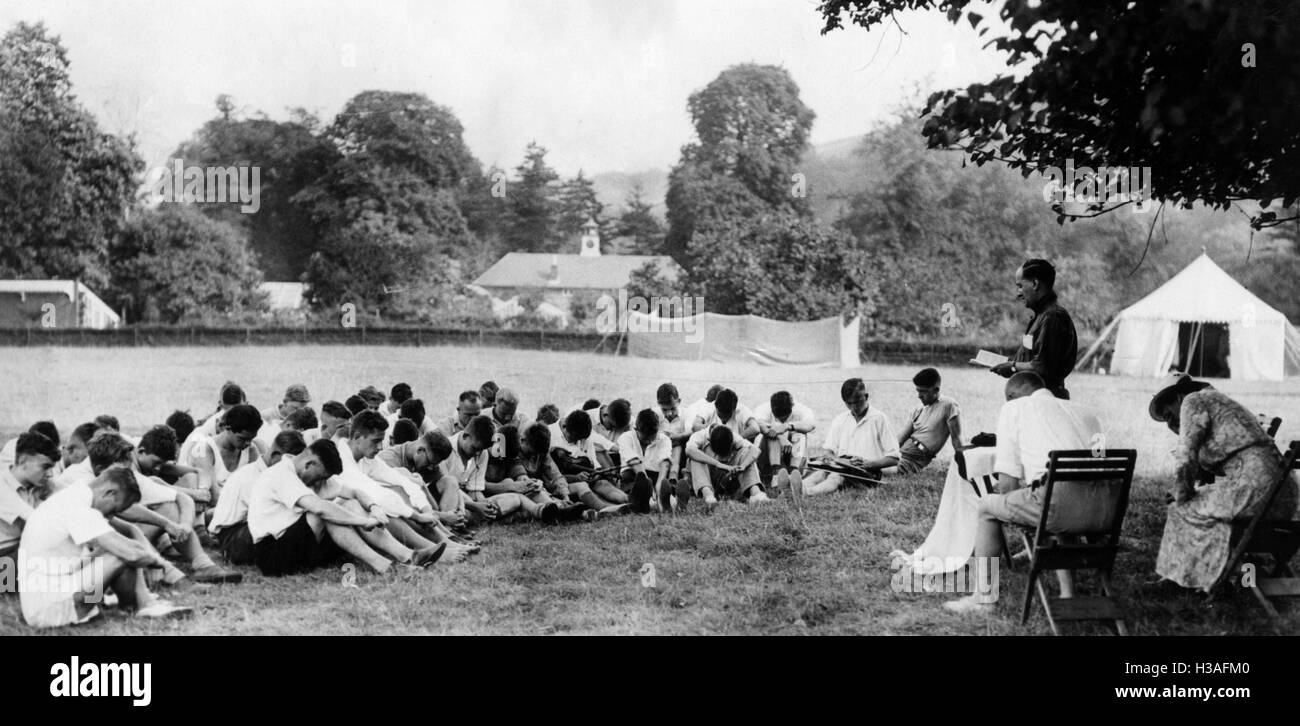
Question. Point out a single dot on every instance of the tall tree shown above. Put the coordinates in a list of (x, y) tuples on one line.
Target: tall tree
[(577, 204), (289, 156), (751, 128), (533, 202), (639, 222), (388, 211), (1189, 88), (64, 184), (176, 265)]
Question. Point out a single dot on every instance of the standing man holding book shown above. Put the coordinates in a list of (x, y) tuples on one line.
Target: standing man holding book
[(1050, 345)]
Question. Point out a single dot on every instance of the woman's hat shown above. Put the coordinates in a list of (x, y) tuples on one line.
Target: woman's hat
[(1183, 384)]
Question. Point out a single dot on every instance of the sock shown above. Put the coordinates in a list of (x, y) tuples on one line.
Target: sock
[(202, 560)]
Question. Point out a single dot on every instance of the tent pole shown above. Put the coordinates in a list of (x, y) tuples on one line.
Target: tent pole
[(1096, 345)]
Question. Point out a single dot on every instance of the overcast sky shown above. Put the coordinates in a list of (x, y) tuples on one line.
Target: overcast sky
[(601, 83)]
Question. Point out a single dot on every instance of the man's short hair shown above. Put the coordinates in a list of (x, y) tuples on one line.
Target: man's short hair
[(1040, 270), (438, 444), (538, 437), (726, 401), (124, 480), (182, 423), (305, 419), (666, 393), (1025, 381), (85, 432), (488, 391), (368, 423), (371, 396), (404, 430), (620, 412), (34, 443), (108, 421), (468, 397), (578, 425), (107, 448), (480, 428), (647, 421), (336, 409), (328, 453), (712, 394), (288, 442), (160, 441), (782, 404), (590, 403), (232, 394), (243, 418), (355, 405), (412, 408), (927, 378), (549, 413), (850, 387), (721, 439), (297, 393), (48, 430), (401, 393)]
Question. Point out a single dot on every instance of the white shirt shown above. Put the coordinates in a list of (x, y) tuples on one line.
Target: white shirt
[(59, 533), (208, 446), (652, 456), (78, 473), (9, 453), (354, 475), (693, 409), (396, 478), (587, 447), (273, 500), (153, 491), (739, 418), (870, 438), (470, 474), (1031, 426), (798, 413), (232, 505)]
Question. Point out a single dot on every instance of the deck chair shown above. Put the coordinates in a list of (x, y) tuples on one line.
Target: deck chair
[(1272, 426), (1259, 536), (1094, 549)]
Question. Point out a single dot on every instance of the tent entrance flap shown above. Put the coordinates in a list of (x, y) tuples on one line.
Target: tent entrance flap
[(1203, 350)]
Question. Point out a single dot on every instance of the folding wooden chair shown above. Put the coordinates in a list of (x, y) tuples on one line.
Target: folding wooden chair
[(1259, 536), (1079, 550), (1272, 426)]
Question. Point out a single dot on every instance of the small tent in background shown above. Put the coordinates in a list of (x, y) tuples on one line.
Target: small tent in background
[(1203, 323)]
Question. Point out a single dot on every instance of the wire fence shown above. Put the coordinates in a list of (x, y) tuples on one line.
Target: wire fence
[(941, 352)]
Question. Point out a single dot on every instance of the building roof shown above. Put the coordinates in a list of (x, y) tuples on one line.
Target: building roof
[(96, 313), (1202, 292), (575, 272)]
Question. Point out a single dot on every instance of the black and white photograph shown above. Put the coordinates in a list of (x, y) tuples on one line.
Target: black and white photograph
[(651, 318)]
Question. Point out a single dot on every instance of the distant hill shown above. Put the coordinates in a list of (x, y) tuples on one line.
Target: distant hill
[(834, 170)]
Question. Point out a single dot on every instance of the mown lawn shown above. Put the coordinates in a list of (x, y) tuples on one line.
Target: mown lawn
[(739, 570)]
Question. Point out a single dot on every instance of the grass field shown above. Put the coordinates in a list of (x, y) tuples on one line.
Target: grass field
[(737, 571)]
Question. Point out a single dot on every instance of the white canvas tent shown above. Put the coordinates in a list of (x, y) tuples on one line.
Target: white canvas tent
[(1202, 313)]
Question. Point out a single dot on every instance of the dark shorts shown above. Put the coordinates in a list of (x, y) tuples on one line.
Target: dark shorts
[(237, 544), (295, 551)]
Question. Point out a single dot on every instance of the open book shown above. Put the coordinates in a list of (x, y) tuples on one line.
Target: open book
[(988, 359)]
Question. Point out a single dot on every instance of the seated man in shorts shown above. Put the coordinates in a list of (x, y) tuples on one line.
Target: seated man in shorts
[(860, 437), (301, 516), (74, 549), (582, 458), (1032, 423), (230, 516), (783, 446), (23, 486)]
